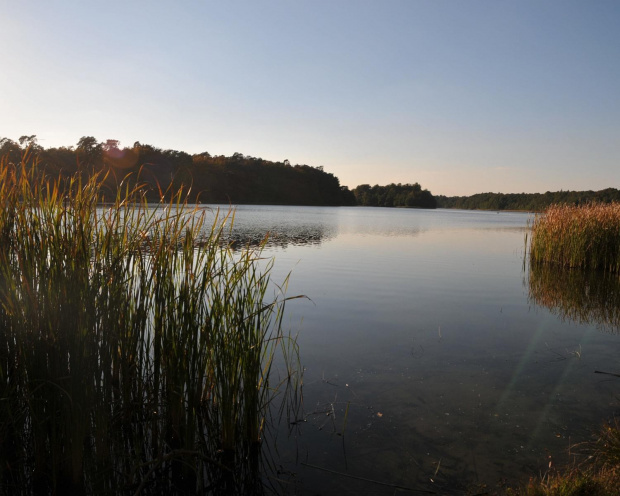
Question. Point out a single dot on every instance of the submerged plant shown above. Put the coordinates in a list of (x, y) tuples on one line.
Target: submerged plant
[(136, 349)]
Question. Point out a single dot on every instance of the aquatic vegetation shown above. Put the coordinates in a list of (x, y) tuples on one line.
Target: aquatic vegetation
[(585, 237), (597, 475), (136, 349), (595, 471), (574, 483)]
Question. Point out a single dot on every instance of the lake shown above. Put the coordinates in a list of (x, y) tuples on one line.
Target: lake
[(430, 361)]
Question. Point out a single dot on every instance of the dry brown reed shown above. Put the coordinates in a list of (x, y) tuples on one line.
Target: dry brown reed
[(586, 237), (595, 471)]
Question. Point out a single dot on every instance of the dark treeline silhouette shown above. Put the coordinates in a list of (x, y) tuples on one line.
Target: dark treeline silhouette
[(207, 178), (394, 195), (532, 202)]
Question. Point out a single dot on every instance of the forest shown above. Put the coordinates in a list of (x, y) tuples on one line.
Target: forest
[(204, 177), (394, 195), (531, 202), (243, 179)]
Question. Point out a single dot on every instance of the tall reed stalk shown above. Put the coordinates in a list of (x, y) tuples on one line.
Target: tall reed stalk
[(578, 237), (136, 349)]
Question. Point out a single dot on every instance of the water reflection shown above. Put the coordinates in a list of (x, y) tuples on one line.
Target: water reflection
[(422, 359), (585, 297), (274, 236), (276, 227)]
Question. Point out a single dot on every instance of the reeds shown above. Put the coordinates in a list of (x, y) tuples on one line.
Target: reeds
[(597, 475), (578, 237), (135, 348)]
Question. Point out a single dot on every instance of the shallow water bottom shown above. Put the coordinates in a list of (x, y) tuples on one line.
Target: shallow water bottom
[(428, 363)]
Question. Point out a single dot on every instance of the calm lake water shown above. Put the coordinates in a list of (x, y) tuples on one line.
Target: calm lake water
[(430, 363)]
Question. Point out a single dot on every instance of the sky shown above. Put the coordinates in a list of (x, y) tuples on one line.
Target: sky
[(461, 96)]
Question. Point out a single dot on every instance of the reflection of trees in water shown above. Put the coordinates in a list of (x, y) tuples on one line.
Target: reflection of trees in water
[(278, 236), (252, 228), (586, 297)]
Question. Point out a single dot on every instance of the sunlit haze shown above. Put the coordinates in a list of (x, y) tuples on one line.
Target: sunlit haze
[(460, 96)]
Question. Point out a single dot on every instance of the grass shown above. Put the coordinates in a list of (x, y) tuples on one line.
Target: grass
[(597, 474), (586, 237), (136, 349), (575, 482)]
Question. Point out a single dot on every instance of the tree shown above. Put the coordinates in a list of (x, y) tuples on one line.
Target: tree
[(89, 150), (28, 141), (10, 149), (111, 145)]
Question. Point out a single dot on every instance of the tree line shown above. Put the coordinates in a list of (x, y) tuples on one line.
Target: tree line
[(205, 178), (532, 202), (245, 179), (394, 195)]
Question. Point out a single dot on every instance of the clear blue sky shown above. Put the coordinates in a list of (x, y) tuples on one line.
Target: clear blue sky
[(460, 96)]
